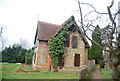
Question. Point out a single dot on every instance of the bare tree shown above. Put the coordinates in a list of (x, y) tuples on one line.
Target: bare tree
[(1, 31), (113, 36), (24, 43), (3, 40)]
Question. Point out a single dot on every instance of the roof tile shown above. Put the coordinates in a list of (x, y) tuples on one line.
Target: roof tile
[(46, 30)]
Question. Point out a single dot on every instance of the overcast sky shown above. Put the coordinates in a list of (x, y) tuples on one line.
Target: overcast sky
[(19, 17)]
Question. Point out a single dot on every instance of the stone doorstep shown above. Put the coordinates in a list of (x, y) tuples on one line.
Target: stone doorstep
[(69, 71), (74, 68)]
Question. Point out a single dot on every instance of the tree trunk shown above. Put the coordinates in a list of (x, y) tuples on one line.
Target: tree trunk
[(116, 73), (56, 68), (51, 66), (54, 65)]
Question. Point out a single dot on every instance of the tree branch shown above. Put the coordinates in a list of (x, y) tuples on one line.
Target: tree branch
[(94, 8), (84, 29), (111, 18), (88, 14)]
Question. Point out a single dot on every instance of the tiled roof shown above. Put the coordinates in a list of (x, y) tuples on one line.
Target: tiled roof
[(46, 30)]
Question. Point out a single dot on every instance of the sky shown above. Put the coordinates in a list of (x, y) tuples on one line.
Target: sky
[(19, 18)]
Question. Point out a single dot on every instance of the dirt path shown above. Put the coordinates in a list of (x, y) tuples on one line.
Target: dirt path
[(96, 74), (17, 68), (20, 68)]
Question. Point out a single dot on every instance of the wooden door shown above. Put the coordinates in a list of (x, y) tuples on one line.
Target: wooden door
[(77, 60)]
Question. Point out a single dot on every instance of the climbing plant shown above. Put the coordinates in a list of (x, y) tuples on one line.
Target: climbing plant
[(56, 45)]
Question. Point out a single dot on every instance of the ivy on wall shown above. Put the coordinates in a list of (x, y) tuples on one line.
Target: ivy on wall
[(56, 43)]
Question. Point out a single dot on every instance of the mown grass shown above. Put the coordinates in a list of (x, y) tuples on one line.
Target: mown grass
[(106, 74), (9, 66), (39, 75), (32, 75), (28, 68)]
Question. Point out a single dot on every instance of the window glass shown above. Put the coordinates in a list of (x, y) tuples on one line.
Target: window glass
[(67, 36), (74, 42)]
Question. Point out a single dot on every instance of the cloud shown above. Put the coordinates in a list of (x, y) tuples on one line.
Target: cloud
[(20, 16)]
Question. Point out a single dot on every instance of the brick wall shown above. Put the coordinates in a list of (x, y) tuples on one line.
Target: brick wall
[(42, 57)]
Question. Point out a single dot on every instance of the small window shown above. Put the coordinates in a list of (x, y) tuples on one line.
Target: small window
[(67, 40), (74, 42), (34, 58)]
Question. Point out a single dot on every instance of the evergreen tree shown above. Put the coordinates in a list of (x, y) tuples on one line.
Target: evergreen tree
[(14, 54), (95, 52), (28, 57)]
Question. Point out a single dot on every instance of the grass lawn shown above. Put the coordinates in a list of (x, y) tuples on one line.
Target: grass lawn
[(9, 66), (28, 68), (31, 75), (39, 75), (106, 74)]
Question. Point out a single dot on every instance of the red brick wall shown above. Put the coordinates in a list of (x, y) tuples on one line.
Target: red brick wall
[(42, 57)]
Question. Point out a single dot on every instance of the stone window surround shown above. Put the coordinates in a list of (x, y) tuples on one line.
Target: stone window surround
[(70, 43)]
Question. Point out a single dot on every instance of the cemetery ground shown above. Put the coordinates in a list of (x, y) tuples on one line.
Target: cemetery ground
[(23, 71)]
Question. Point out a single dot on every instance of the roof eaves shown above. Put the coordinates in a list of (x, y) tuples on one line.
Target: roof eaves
[(36, 35), (83, 37), (70, 21)]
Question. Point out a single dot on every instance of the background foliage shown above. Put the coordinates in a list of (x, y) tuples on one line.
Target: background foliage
[(95, 51), (16, 54)]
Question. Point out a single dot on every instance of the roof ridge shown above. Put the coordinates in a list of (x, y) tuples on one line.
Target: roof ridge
[(48, 23), (72, 18)]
